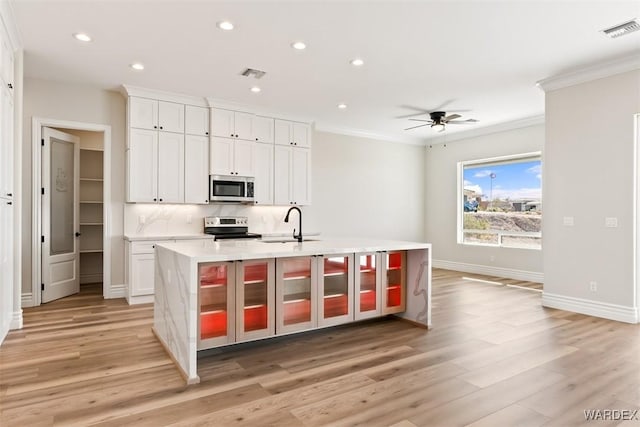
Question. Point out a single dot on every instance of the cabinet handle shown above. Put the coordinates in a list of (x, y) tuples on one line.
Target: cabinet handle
[(154, 199), (295, 143), (256, 139), (153, 246), (236, 135), (155, 127), (160, 199), (78, 234), (232, 135), (9, 194), (10, 86), (206, 133), (160, 127), (9, 203)]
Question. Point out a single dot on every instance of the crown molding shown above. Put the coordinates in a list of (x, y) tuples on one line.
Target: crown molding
[(487, 130), (361, 133), (128, 90), (252, 109), (593, 72)]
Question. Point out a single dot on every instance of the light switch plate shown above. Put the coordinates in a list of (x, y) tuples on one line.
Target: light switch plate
[(567, 221), (611, 222)]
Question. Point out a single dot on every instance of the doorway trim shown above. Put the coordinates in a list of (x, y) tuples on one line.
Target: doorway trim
[(36, 225)]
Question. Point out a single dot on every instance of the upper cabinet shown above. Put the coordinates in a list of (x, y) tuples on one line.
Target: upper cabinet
[(241, 125), (292, 133), (156, 115), (196, 120)]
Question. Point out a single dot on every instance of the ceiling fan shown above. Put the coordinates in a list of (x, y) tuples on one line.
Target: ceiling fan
[(438, 120)]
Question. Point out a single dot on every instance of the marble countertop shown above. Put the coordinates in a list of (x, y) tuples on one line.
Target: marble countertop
[(196, 236), (210, 251)]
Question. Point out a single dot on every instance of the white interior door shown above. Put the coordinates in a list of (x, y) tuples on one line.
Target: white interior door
[(60, 228)]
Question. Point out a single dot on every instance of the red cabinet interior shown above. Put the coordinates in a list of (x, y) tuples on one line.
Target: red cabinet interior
[(213, 300), (213, 324), (367, 300), (296, 311), (255, 318), (394, 296), (336, 305)]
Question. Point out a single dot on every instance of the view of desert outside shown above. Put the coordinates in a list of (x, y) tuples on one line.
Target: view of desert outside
[(502, 203)]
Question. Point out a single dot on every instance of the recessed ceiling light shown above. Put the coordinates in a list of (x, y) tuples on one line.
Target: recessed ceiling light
[(225, 25), (82, 37), (299, 45), (342, 106), (357, 62), (137, 66), (255, 89)]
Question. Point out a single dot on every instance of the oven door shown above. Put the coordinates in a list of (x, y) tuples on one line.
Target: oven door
[(228, 189)]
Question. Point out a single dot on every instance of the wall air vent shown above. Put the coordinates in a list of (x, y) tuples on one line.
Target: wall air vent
[(622, 29), (250, 72)]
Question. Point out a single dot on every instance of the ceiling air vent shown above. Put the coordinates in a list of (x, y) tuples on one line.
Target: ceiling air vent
[(249, 72), (622, 29)]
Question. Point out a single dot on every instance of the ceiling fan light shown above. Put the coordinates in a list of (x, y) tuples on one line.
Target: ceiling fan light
[(439, 127)]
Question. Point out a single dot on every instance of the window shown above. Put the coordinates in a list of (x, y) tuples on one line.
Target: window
[(501, 201)]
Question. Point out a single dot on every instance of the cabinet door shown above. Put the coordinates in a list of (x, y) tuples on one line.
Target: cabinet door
[(301, 134), (367, 285), (221, 162), (170, 167), (262, 129), (296, 294), (301, 176), (216, 302), (263, 172), (222, 123), (142, 274), (6, 143), (196, 120), (394, 274), (143, 113), (243, 157), (255, 299), (335, 289), (142, 166), (281, 176), (242, 125), (171, 117), (196, 169), (282, 132)]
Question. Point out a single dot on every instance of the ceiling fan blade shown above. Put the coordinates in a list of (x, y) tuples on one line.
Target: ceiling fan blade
[(452, 117), (420, 120), (419, 126), (420, 111), (462, 122)]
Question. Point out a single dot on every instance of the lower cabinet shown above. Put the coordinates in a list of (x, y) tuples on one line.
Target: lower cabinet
[(140, 261), (245, 300), (236, 301)]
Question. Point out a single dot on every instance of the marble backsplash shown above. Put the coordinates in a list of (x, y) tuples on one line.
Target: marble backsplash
[(161, 219)]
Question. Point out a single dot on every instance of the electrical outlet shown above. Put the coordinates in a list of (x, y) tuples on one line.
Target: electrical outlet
[(189, 219), (611, 222), (593, 286), (567, 221)]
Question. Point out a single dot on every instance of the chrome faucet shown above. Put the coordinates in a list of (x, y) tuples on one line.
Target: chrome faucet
[(286, 219)]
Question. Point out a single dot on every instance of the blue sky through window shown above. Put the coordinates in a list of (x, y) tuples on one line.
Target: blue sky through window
[(518, 180)]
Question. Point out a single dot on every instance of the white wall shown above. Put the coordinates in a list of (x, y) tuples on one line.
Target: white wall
[(63, 101), (367, 188), (589, 163), (442, 204)]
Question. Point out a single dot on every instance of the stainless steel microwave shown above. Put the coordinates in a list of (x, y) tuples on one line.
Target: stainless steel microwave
[(231, 188)]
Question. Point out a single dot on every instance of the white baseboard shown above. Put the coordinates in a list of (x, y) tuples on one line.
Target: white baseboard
[(605, 310), (507, 273), (117, 291), (26, 299), (90, 278), (16, 320)]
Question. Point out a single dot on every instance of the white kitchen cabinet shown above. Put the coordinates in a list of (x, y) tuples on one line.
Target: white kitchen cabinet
[(196, 120), (140, 270), (393, 266), (216, 303), (335, 289), (296, 294), (196, 169), (231, 157), (262, 129), (255, 299), (170, 167), (292, 169), (155, 167), (231, 124), (263, 173), (142, 166), (152, 114), (367, 285), (292, 133)]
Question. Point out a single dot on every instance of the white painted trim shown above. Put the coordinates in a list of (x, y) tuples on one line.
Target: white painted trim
[(118, 291), (16, 320), (593, 72), (36, 249), (27, 299), (128, 90), (605, 310), (486, 130), (260, 111), (508, 273), (361, 133)]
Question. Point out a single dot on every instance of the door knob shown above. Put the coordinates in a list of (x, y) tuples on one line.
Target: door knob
[(78, 234)]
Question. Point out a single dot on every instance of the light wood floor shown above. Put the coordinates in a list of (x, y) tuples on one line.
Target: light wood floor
[(494, 357)]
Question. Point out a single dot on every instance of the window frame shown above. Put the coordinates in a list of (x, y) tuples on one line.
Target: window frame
[(489, 161)]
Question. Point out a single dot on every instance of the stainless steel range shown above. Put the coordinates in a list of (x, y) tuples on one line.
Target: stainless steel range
[(229, 227)]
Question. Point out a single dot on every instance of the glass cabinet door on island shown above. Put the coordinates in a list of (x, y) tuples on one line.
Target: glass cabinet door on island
[(335, 289), (296, 288), (216, 299), (367, 286), (394, 274), (255, 297)]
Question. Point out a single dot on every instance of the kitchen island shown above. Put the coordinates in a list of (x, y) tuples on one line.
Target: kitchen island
[(210, 294)]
